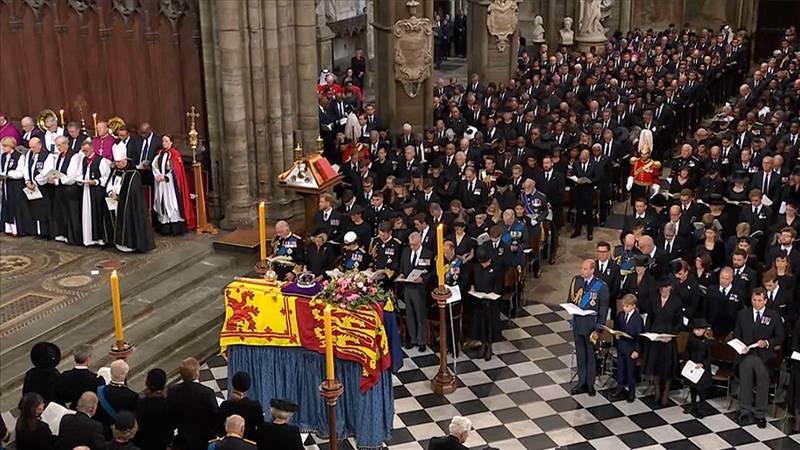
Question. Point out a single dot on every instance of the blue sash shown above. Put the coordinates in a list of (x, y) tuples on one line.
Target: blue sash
[(101, 397), (593, 289)]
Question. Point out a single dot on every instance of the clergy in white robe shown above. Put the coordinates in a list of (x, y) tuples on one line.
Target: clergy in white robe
[(95, 218), (171, 200), (13, 204), (61, 169), (38, 193)]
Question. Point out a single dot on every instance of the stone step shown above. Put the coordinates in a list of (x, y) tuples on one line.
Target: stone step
[(98, 322), (177, 317), (73, 315)]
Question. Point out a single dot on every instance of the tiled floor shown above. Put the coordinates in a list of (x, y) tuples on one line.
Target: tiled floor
[(520, 400)]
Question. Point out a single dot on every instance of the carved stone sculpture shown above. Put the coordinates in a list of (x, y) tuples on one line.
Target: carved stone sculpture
[(502, 17), (567, 35), (80, 6), (593, 12), (413, 41), (126, 7), (537, 35)]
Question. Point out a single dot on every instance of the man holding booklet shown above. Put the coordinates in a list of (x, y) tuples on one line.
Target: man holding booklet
[(758, 330), (590, 295)]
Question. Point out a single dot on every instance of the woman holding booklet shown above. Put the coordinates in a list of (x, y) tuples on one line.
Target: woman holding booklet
[(661, 355)]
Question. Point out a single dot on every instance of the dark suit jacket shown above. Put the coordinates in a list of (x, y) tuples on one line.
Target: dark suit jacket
[(250, 410), (155, 144), (121, 398), (757, 181), (634, 327), (79, 429), (610, 276), (476, 197), (284, 437), (770, 329), (193, 408), (425, 261), (74, 382), (234, 443), (445, 443), (155, 428), (75, 143)]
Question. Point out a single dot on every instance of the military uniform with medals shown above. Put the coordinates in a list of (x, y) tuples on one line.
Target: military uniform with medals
[(291, 247), (386, 256), (592, 295)]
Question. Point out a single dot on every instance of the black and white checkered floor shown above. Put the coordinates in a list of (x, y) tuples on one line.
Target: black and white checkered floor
[(520, 400)]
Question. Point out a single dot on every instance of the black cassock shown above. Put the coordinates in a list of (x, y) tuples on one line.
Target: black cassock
[(131, 230), (65, 211), (14, 212), (95, 219), (40, 208)]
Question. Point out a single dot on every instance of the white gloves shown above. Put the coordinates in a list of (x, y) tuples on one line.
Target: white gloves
[(629, 184), (656, 188)]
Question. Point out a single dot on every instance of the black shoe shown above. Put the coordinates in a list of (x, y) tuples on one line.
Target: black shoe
[(631, 397), (592, 392), (552, 260), (574, 234), (619, 394), (487, 353), (422, 348), (578, 390), (761, 423), (589, 237), (537, 274), (744, 419), (409, 345), (690, 409)]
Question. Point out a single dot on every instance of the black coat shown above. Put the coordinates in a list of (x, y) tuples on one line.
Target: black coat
[(193, 410), (770, 329), (43, 382), (446, 443), (121, 398), (40, 438), (234, 443), (250, 410), (279, 436), (155, 425), (722, 310), (74, 382), (79, 429), (130, 225)]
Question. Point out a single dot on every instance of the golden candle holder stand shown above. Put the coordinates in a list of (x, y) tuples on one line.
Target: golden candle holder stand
[(444, 382), (331, 390), (202, 220), (121, 350)]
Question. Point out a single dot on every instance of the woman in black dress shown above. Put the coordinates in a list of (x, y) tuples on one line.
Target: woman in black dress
[(714, 247), (702, 273), (31, 432), (698, 350), (43, 376), (786, 279), (661, 358), (486, 320), (155, 430), (641, 284), (465, 245), (320, 256), (685, 288)]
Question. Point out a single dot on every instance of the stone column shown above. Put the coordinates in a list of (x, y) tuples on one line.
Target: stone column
[(625, 16), (307, 73), (324, 39), (393, 102), (230, 34), (493, 60), (212, 109)]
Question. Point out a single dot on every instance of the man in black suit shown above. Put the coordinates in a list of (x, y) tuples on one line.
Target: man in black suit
[(778, 298), (785, 246), (328, 218), (674, 247), (415, 291), (603, 165), (234, 436), (149, 143), (763, 327), (641, 216), (608, 271), (458, 433), (552, 182), (766, 179), (587, 292), (79, 428), (745, 278), (472, 192), (73, 383), (582, 194), (279, 433), (75, 136), (116, 396), (723, 301), (250, 410), (193, 407), (426, 232)]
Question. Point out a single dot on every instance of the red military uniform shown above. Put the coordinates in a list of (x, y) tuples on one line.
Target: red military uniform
[(645, 172)]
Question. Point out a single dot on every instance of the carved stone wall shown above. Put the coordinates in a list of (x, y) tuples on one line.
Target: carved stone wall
[(137, 59)]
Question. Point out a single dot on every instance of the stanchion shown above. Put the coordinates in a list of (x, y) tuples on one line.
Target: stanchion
[(330, 390), (444, 382)]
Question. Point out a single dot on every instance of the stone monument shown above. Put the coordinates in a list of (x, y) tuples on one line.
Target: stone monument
[(591, 32), (537, 35), (493, 39), (567, 36)]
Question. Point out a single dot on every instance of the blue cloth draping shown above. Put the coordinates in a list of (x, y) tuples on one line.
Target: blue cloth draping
[(296, 373), (393, 336)]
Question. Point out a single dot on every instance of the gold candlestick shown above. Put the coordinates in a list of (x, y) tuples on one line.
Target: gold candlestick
[(94, 120), (202, 220)]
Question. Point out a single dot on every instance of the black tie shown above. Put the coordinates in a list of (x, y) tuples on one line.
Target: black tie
[(143, 156), (669, 247), (771, 296), (471, 187), (758, 317), (414, 259), (766, 183)]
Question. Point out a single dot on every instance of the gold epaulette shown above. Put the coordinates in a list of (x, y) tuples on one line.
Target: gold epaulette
[(657, 164), (249, 441), (634, 159), (296, 236)]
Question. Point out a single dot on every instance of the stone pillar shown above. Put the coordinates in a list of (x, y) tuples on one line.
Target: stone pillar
[(212, 110), (492, 60), (261, 80), (394, 103), (552, 25), (324, 39), (231, 36), (625, 16)]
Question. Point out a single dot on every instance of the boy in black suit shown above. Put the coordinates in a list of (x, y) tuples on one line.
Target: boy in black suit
[(761, 326), (628, 321)]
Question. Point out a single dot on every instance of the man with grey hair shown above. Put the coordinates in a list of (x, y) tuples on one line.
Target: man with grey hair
[(416, 269), (74, 382), (458, 434), (32, 168), (117, 396), (233, 440), (80, 429), (65, 219), (672, 245), (29, 130)]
